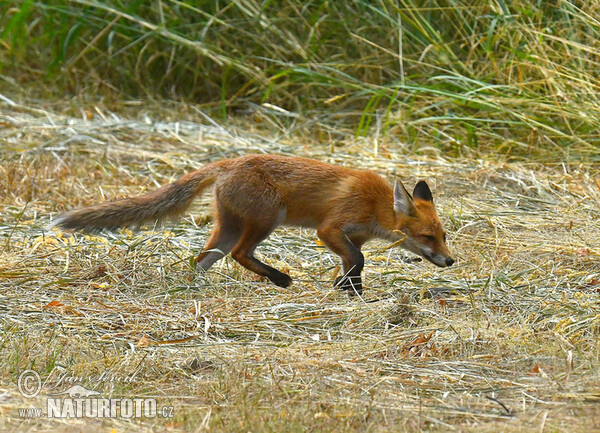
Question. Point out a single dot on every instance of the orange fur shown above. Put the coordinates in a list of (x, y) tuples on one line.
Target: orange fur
[(256, 193)]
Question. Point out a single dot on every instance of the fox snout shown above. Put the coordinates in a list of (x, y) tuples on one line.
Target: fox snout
[(439, 260), (448, 261)]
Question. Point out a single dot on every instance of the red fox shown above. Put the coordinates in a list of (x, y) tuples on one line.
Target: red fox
[(256, 193)]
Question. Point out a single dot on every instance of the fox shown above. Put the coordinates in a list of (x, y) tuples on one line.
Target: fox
[(254, 194)]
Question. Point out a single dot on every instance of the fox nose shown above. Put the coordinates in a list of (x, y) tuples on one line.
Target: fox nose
[(449, 261)]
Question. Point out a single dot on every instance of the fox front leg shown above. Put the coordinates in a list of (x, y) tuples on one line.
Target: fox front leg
[(351, 283), (352, 259)]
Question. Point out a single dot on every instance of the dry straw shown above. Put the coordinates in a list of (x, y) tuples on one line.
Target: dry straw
[(507, 337)]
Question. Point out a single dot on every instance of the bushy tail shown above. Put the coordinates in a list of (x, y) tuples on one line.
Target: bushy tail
[(169, 201)]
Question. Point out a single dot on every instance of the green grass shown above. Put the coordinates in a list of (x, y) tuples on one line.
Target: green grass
[(508, 77)]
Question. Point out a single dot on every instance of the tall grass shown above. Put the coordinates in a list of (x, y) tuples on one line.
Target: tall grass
[(510, 76)]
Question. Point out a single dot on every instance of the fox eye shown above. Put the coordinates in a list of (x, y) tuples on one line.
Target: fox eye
[(429, 238)]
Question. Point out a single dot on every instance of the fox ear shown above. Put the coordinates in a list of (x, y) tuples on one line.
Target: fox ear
[(422, 191), (403, 202)]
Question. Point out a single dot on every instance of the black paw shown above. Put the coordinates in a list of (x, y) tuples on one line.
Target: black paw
[(349, 283), (281, 280)]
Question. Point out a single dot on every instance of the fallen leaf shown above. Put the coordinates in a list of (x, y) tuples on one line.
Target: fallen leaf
[(53, 304), (144, 341)]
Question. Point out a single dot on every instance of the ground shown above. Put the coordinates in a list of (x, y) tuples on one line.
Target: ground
[(505, 340)]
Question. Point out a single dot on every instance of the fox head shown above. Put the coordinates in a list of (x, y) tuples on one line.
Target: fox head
[(418, 220)]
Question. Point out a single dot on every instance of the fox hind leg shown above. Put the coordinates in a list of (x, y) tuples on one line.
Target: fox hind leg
[(243, 253), (258, 209), (225, 234)]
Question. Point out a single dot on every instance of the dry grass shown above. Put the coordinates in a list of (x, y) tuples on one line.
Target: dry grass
[(506, 340)]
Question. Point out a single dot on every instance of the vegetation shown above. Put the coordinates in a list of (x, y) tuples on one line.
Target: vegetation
[(509, 77)]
